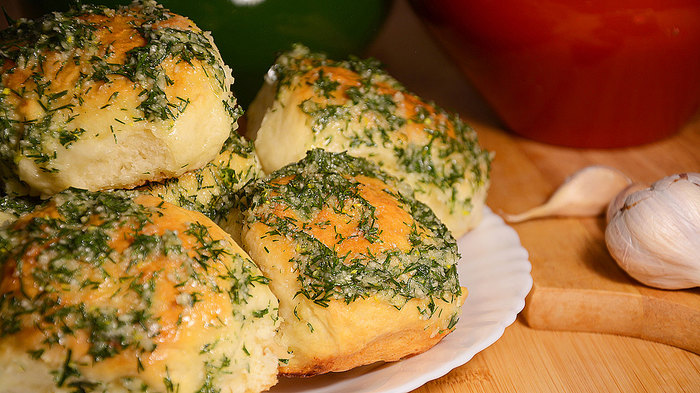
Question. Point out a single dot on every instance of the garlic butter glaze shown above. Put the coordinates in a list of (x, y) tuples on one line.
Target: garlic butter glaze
[(363, 272), (99, 98), (102, 293), (310, 101)]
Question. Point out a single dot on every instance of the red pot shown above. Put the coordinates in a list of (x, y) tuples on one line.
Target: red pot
[(588, 73)]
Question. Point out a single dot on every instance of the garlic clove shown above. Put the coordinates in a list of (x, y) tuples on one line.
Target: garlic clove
[(587, 192), (655, 235)]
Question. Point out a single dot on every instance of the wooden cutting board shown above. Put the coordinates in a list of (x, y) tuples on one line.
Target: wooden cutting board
[(585, 290), (577, 285)]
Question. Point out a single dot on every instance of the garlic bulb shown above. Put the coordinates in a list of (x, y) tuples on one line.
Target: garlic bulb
[(655, 235), (619, 200)]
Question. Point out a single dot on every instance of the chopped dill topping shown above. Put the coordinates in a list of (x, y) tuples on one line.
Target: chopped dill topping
[(89, 264), (367, 112), (212, 192), (18, 206), (324, 85), (74, 251), (73, 38), (288, 200)]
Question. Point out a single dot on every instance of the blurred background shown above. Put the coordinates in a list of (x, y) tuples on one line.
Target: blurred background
[(249, 33), (395, 35), (593, 74)]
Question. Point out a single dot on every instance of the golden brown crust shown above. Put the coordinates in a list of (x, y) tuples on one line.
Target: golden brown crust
[(383, 349), (174, 300), (309, 102), (345, 270), (344, 336), (390, 347), (100, 113)]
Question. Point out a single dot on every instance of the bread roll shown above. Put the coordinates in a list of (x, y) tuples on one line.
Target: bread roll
[(102, 293), (309, 101), (208, 190), (363, 272), (97, 99)]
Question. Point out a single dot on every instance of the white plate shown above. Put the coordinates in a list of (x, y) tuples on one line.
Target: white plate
[(495, 269)]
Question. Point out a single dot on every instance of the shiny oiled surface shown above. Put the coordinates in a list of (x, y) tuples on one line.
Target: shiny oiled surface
[(524, 174)]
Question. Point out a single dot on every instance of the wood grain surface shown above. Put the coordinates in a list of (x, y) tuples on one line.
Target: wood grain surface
[(577, 285)]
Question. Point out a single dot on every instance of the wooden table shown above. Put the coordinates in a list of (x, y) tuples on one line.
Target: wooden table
[(526, 359)]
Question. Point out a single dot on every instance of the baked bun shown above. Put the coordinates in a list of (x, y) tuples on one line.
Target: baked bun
[(96, 98), (210, 189), (103, 293), (363, 272), (310, 102)]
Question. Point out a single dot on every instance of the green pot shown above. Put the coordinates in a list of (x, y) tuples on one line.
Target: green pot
[(250, 33)]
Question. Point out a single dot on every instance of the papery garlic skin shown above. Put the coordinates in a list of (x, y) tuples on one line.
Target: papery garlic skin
[(655, 235), (619, 200)]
